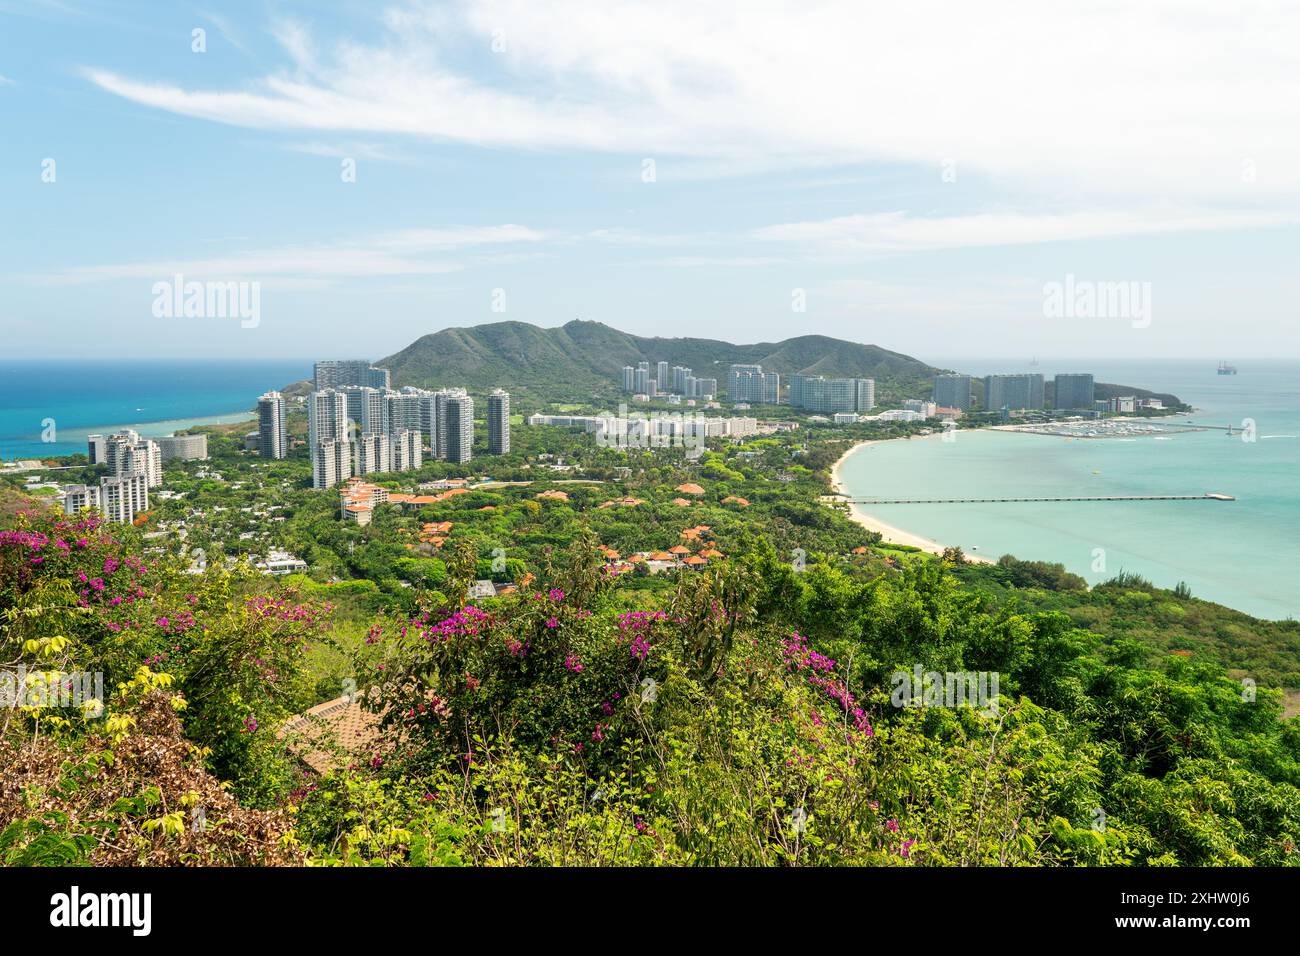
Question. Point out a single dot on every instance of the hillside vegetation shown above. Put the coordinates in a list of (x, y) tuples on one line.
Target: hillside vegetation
[(585, 358), (745, 714)]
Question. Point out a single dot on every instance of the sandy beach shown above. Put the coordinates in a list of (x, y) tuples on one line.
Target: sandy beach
[(889, 532)]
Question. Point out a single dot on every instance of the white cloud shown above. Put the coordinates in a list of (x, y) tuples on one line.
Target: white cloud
[(410, 252), (373, 151), (853, 236), (1110, 98)]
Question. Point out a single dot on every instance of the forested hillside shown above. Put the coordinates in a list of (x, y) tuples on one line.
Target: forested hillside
[(747, 713)]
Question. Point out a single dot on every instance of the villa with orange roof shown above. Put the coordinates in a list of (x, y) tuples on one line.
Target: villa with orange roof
[(358, 499), (625, 502)]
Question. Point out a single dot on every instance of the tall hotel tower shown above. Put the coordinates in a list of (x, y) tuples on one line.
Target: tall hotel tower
[(272, 438), (327, 436), (458, 413), (498, 422)]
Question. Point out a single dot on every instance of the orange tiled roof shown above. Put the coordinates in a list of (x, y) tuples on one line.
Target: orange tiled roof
[(695, 560), (678, 549), (318, 735), (625, 502), (690, 488)]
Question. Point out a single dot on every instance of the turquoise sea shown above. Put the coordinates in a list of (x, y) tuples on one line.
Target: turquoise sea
[(153, 397), (1243, 553)]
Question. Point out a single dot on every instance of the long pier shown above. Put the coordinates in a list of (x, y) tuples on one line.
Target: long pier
[(1208, 496)]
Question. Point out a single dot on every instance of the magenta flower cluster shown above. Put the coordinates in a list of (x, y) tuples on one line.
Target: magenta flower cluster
[(638, 628), (799, 657), (281, 609), (469, 621)]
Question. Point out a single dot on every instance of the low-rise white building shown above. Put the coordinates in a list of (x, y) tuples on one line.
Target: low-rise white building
[(279, 563)]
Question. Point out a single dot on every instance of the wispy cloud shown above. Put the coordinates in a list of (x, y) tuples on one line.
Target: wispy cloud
[(1114, 99), (411, 252), (895, 232), (378, 152)]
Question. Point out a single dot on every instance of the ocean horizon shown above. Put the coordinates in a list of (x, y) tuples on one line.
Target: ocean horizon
[(1238, 553), (159, 397)]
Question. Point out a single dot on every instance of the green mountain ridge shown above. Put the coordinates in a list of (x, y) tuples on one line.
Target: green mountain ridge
[(585, 356), (584, 359)]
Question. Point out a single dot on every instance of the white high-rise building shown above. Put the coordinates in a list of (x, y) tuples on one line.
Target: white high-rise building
[(498, 422), (126, 453), (866, 389), (336, 374), (183, 447), (327, 417), (405, 411), (367, 409), (442, 430), (426, 403), (371, 454), (79, 497), (122, 497), (408, 450), (97, 449), (749, 383), (331, 462), (458, 413), (272, 434)]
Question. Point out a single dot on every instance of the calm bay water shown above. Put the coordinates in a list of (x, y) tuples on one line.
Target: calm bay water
[(155, 398), (1243, 553)]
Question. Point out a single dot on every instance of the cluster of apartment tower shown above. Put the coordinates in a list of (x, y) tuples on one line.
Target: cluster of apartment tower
[(749, 384), (1073, 391), (680, 381), (357, 424), (134, 466)]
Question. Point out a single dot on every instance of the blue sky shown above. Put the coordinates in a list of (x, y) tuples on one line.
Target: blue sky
[(914, 177)]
